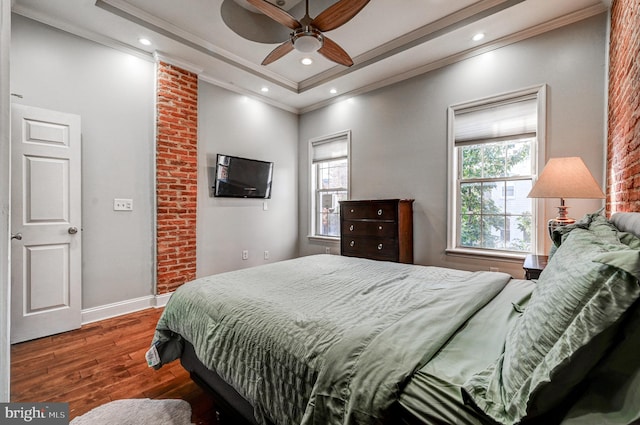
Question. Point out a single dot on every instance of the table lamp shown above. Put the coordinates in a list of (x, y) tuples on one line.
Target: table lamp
[(565, 178)]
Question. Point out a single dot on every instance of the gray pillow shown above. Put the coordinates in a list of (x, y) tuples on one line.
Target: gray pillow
[(570, 321)]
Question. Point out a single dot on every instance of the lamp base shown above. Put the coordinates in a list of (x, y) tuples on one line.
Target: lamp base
[(557, 222), (560, 220)]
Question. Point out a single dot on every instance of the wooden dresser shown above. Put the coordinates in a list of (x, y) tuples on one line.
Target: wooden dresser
[(380, 229)]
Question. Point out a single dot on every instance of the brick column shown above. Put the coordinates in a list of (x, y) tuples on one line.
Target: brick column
[(176, 176), (623, 153)]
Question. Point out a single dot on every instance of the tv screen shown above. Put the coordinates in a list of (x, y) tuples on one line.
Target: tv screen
[(242, 178)]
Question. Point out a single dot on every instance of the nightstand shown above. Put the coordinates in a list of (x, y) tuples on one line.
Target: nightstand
[(533, 265)]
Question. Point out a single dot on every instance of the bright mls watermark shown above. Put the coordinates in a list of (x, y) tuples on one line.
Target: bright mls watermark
[(34, 413)]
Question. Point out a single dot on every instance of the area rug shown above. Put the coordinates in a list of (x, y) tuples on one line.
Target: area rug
[(142, 411)]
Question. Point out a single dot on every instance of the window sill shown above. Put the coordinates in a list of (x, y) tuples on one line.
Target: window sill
[(513, 257), (324, 238)]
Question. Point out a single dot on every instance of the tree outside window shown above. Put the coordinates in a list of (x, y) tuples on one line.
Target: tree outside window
[(494, 210)]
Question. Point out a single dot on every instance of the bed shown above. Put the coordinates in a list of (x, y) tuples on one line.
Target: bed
[(327, 339)]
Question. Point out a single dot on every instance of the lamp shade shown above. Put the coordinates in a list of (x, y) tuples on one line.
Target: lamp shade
[(566, 178)]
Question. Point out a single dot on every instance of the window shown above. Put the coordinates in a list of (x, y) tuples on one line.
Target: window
[(494, 147), (329, 183)]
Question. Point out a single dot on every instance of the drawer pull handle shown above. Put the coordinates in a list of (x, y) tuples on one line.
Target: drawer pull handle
[(379, 246), (352, 243), (351, 227), (352, 210), (380, 227), (380, 211)]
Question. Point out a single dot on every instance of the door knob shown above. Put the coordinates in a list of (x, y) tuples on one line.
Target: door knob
[(73, 230), (17, 236)]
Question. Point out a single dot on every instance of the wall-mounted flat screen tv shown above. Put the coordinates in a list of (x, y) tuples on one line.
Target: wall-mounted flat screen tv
[(242, 178)]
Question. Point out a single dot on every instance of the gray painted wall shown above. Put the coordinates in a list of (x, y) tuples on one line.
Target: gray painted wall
[(399, 133), (233, 124), (113, 92)]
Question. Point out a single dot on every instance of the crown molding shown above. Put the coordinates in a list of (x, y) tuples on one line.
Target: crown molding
[(180, 63), (239, 90), (446, 24), (458, 57), (130, 13), (59, 25)]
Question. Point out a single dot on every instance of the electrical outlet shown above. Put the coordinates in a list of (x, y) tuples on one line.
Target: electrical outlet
[(266, 255), (327, 250), (245, 254), (494, 269), (122, 204)]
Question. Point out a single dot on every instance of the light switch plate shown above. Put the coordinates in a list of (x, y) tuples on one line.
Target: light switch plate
[(122, 204)]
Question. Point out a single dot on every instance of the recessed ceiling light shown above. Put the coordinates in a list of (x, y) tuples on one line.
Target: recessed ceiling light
[(264, 89), (145, 41), (479, 36), (306, 61), (333, 91)]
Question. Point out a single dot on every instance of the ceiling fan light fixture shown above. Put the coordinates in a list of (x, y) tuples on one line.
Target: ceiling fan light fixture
[(307, 35), (307, 40)]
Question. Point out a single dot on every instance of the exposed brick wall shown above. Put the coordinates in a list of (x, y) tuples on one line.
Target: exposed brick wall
[(176, 176), (623, 156)]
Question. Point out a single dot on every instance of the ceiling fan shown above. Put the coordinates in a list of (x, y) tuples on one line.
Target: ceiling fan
[(307, 35)]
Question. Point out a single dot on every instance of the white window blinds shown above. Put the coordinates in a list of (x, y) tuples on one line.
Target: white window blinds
[(485, 124), (326, 150)]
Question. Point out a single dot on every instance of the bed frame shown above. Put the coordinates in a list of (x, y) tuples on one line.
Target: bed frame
[(230, 406), (228, 402)]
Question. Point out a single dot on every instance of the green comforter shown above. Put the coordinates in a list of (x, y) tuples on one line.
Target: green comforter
[(322, 339)]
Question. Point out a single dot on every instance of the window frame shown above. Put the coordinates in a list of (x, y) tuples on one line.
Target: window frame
[(313, 190), (538, 159)]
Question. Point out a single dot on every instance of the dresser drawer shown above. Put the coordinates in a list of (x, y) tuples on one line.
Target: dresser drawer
[(375, 248), (380, 229), (368, 228), (370, 211)]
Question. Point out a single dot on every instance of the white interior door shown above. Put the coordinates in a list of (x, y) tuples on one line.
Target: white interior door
[(45, 222)]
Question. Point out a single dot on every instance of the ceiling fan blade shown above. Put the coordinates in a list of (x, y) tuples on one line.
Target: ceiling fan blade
[(338, 14), (275, 13), (278, 52), (335, 53)]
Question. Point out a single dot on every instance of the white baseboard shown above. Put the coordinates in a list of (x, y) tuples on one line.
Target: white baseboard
[(94, 314), (162, 299)]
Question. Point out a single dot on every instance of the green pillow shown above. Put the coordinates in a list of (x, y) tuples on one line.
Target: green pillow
[(570, 321), (612, 393), (626, 259), (585, 222), (629, 239)]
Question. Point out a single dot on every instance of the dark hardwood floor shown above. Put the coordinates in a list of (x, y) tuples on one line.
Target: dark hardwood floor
[(99, 363)]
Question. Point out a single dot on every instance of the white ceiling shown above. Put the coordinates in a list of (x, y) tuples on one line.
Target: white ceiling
[(388, 40)]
